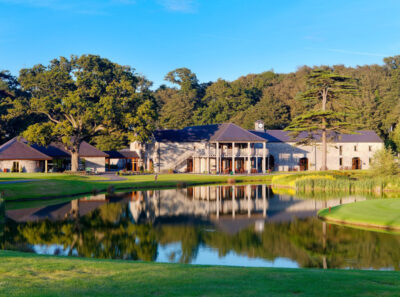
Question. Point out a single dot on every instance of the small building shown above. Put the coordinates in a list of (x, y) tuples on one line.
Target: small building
[(122, 159), (17, 155)]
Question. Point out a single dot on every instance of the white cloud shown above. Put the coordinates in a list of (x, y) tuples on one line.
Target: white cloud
[(185, 6)]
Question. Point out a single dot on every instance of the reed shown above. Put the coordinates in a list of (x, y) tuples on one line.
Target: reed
[(369, 185)]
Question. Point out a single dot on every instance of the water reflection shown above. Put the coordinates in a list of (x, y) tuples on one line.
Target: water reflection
[(231, 225)]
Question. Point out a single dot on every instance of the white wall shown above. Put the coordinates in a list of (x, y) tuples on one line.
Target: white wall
[(97, 163), (287, 155), (26, 165)]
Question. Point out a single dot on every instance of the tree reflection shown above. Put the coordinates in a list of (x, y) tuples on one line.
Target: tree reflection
[(109, 231)]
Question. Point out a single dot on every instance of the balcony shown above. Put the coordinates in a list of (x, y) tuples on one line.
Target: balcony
[(227, 153)]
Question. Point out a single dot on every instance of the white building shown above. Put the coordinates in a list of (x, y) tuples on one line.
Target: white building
[(226, 148)]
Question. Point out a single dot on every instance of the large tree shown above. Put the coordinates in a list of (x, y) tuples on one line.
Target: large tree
[(326, 92), (13, 120), (86, 97), (178, 110)]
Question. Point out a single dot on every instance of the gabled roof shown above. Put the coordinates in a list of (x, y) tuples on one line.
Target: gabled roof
[(284, 136), (122, 154), (88, 150), (57, 150), (17, 149), (232, 132), (215, 132)]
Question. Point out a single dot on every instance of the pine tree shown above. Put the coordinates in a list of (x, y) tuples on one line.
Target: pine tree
[(325, 93)]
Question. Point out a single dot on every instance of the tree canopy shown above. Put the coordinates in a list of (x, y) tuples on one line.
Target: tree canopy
[(87, 98), (324, 94)]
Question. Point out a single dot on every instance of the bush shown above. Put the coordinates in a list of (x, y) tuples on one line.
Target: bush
[(384, 163)]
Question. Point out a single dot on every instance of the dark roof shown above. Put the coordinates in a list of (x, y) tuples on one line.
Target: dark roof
[(232, 132), (188, 134), (57, 150), (88, 150), (17, 149), (284, 136), (213, 133), (122, 154)]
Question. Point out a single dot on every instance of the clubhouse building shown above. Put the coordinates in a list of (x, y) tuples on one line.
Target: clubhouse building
[(228, 148), (217, 149)]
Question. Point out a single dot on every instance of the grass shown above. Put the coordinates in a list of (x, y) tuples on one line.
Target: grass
[(34, 275), (51, 186), (339, 182), (378, 213)]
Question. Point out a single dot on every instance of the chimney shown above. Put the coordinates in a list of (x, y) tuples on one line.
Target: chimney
[(259, 125)]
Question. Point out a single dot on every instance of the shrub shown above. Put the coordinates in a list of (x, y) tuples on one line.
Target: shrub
[(384, 164)]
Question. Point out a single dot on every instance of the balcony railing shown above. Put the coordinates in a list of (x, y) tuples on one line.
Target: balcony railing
[(254, 152)]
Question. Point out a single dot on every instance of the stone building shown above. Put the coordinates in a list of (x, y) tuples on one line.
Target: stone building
[(228, 148), (17, 155)]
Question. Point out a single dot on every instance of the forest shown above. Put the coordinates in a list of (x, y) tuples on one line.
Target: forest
[(184, 101)]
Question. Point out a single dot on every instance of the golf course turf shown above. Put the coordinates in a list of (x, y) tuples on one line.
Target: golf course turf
[(379, 213), (23, 274), (64, 185)]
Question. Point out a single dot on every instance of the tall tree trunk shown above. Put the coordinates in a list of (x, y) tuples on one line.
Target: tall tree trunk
[(324, 144), (74, 160)]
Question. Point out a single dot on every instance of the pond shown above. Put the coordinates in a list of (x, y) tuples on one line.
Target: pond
[(243, 225)]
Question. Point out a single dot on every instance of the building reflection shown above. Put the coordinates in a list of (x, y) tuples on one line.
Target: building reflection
[(247, 220)]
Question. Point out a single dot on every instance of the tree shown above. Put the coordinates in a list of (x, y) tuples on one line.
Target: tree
[(178, 111), (323, 95), (274, 113), (13, 121), (86, 97), (383, 163)]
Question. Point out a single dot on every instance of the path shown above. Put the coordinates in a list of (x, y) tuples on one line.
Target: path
[(17, 181)]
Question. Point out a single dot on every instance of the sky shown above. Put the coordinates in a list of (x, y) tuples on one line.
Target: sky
[(214, 38)]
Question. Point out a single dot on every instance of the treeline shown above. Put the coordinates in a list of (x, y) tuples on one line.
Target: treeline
[(274, 98), (269, 96)]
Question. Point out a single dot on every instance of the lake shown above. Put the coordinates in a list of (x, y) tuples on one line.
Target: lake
[(241, 225)]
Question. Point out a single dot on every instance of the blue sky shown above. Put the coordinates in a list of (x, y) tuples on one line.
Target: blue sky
[(214, 38)]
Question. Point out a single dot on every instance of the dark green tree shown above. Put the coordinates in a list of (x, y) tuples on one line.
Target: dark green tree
[(86, 97), (13, 120), (324, 95), (179, 108)]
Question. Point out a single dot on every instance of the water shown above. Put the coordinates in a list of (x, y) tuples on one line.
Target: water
[(218, 225)]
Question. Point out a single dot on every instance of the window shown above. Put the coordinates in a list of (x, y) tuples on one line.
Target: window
[(370, 148), (340, 150), (15, 167), (355, 148), (340, 161)]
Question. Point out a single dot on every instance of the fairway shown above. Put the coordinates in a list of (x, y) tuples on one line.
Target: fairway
[(49, 186), (57, 276), (382, 213)]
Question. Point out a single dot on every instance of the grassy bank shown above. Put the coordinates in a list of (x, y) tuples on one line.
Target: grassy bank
[(339, 182), (62, 185), (382, 213), (32, 275)]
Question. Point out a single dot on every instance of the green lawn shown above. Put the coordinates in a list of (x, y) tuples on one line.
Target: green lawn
[(379, 213), (63, 185), (32, 275)]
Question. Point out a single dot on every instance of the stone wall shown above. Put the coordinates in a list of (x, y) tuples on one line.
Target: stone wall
[(98, 163), (25, 165), (287, 156), (167, 155)]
